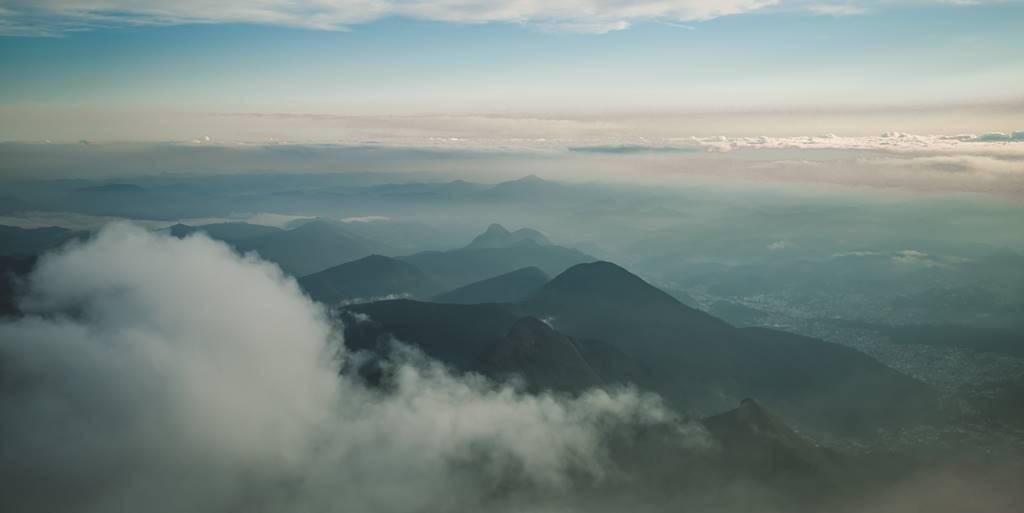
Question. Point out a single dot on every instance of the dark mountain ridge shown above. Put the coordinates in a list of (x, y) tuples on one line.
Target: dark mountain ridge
[(695, 361), (506, 288), (368, 278)]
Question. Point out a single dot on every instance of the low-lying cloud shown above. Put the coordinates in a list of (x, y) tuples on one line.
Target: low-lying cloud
[(158, 374)]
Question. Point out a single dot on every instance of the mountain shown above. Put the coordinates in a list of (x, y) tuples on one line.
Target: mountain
[(404, 236), (10, 205), (530, 188), (30, 241), (548, 360), (227, 232), (699, 362), (759, 440), (137, 202), (310, 248), (12, 270), (365, 279), (506, 288), (454, 334), (695, 361), (496, 236), (459, 267)]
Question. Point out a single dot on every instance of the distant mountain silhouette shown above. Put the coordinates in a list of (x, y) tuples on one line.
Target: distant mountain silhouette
[(370, 277), (506, 288), (227, 232), (31, 241), (496, 236), (138, 202), (310, 248), (404, 236), (10, 205), (459, 267), (528, 188)]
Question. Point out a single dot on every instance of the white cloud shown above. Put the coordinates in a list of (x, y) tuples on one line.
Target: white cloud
[(25, 17), (576, 15), (993, 143), (365, 219), (165, 375)]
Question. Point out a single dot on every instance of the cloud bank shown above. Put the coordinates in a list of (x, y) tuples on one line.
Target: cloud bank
[(156, 374), (42, 17)]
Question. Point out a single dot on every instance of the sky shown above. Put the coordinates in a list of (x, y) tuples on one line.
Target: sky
[(573, 70)]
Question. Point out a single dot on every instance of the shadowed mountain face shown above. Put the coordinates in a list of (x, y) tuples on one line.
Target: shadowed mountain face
[(506, 288), (497, 236), (694, 360), (455, 334), (698, 361), (760, 441), (310, 248), (365, 279), (548, 360), (12, 270)]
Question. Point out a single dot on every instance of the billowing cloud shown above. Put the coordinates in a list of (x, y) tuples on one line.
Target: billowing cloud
[(28, 17), (157, 374)]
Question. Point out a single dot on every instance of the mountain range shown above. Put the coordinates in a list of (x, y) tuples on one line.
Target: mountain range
[(599, 312)]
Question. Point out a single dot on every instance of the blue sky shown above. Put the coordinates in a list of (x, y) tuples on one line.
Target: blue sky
[(889, 65)]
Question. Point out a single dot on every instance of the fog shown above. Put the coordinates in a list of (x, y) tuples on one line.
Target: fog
[(158, 374)]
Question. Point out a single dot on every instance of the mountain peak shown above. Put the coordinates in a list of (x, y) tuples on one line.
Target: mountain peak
[(496, 229), (605, 279), (496, 236), (531, 179)]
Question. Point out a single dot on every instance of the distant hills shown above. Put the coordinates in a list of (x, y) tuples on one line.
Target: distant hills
[(595, 323), (508, 267), (497, 236), (506, 288), (227, 232), (694, 360), (31, 241), (366, 279), (311, 247)]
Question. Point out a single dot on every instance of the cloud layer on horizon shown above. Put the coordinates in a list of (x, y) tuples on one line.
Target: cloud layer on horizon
[(50, 17)]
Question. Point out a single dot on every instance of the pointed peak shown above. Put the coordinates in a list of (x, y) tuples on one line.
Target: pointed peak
[(496, 229), (609, 281)]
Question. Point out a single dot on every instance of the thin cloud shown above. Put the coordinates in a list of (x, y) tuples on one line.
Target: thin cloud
[(53, 17)]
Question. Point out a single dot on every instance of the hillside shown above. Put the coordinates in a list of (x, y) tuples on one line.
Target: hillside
[(366, 279), (506, 288)]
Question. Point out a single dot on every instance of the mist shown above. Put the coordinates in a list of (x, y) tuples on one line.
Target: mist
[(158, 374)]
